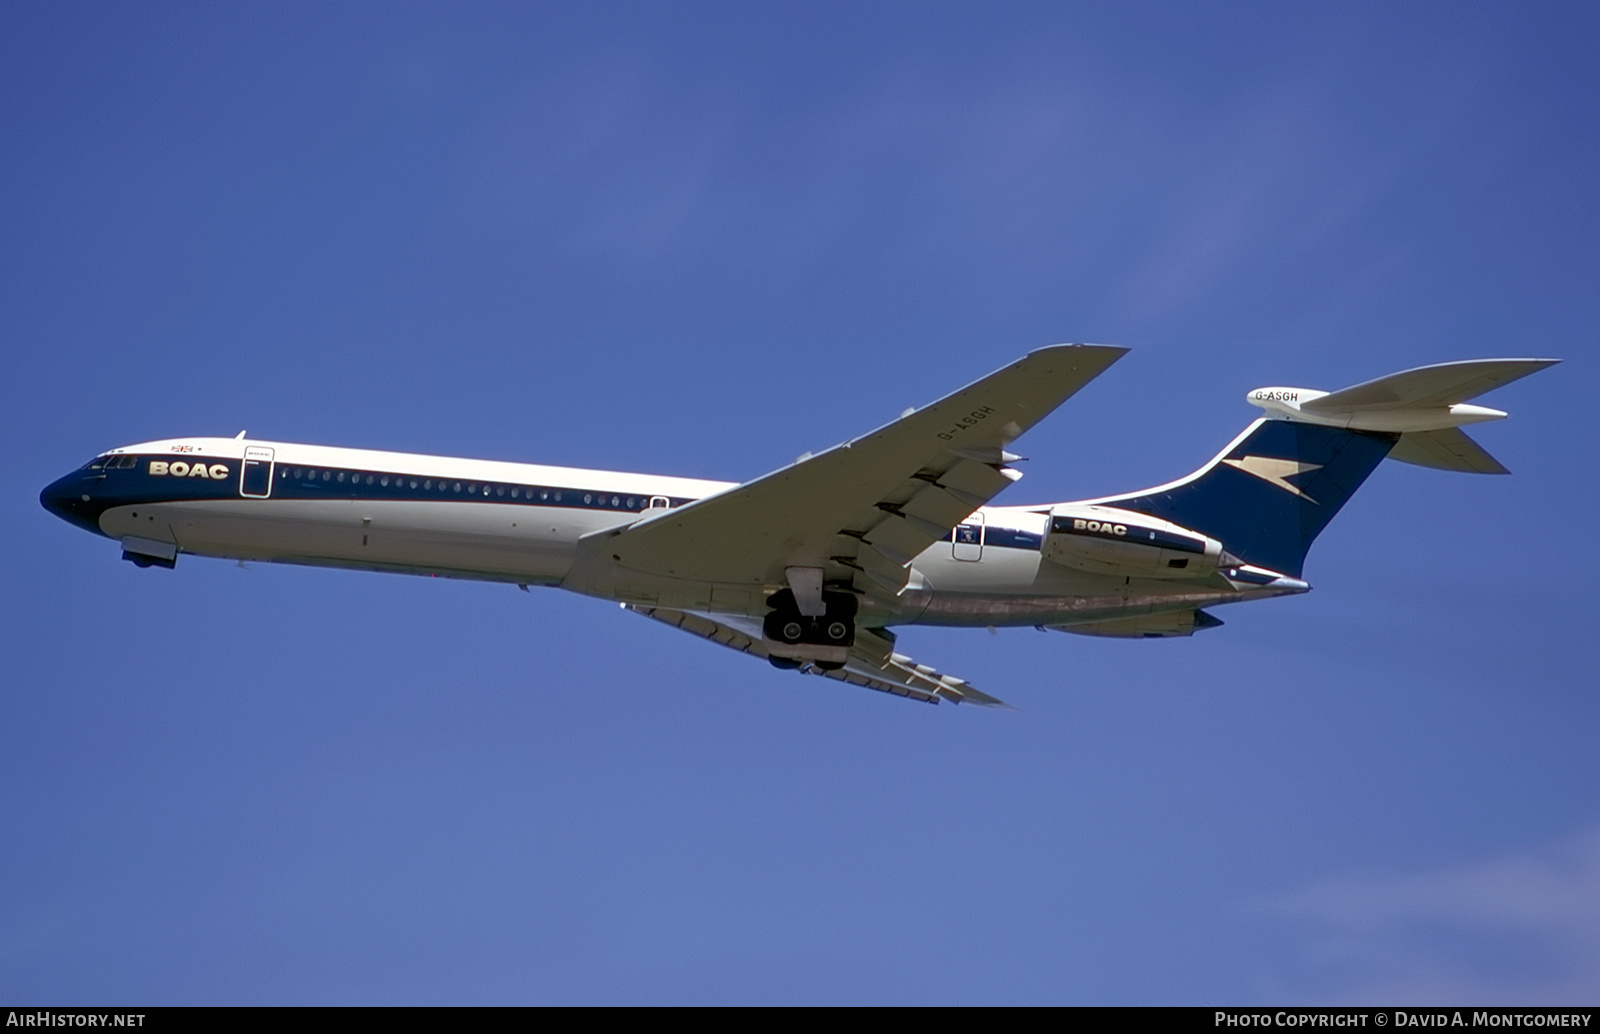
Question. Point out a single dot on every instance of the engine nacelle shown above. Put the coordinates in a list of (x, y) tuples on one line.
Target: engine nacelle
[(1106, 540)]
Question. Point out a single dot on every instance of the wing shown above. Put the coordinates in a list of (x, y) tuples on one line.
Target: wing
[(872, 662), (1443, 384), (862, 510)]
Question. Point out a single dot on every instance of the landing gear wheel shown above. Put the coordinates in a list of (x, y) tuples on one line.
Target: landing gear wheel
[(785, 624)]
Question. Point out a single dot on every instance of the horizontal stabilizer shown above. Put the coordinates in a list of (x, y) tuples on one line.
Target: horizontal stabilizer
[(1449, 449), (1429, 398), (1443, 384)]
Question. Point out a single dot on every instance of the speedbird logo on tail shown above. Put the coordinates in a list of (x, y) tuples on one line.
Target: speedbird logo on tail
[(1274, 471)]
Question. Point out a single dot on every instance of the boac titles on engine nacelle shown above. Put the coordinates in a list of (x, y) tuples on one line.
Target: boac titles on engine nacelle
[(1106, 540)]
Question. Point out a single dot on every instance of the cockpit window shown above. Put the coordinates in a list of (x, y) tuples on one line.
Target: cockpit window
[(111, 462), (97, 463)]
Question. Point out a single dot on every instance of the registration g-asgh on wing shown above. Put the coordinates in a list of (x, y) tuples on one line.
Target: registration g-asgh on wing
[(812, 565)]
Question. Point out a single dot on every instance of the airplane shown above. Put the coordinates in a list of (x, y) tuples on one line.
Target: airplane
[(810, 567)]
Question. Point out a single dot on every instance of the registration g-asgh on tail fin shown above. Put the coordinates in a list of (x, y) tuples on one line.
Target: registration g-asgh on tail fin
[(811, 566), (1426, 407)]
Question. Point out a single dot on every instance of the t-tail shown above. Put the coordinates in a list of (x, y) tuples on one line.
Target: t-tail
[(1267, 496)]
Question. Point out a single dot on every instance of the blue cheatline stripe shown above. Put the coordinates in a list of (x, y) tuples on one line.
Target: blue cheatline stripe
[(1010, 538), (120, 487)]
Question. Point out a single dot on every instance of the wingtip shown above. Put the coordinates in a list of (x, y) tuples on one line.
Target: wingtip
[(1082, 346), (968, 695), (1536, 363), (1079, 356)]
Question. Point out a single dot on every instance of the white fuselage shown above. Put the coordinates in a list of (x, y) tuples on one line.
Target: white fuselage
[(521, 523)]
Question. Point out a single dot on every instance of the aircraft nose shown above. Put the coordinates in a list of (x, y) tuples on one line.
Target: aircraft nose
[(72, 499)]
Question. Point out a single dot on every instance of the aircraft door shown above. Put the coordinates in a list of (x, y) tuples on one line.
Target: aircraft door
[(966, 539), (255, 477)]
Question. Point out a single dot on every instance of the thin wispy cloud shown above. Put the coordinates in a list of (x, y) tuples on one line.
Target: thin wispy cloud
[(1522, 928)]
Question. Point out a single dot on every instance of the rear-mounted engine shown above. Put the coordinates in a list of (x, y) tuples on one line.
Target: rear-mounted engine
[(1106, 540)]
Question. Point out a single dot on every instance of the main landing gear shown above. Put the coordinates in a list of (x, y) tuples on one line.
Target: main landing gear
[(785, 624)]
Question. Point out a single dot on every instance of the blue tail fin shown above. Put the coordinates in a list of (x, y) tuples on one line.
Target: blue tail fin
[(1270, 493)]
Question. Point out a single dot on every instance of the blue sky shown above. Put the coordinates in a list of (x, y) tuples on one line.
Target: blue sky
[(700, 239)]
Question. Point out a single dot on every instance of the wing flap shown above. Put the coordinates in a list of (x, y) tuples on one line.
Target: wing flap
[(898, 539), (882, 572), (970, 480), (936, 511), (895, 532)]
